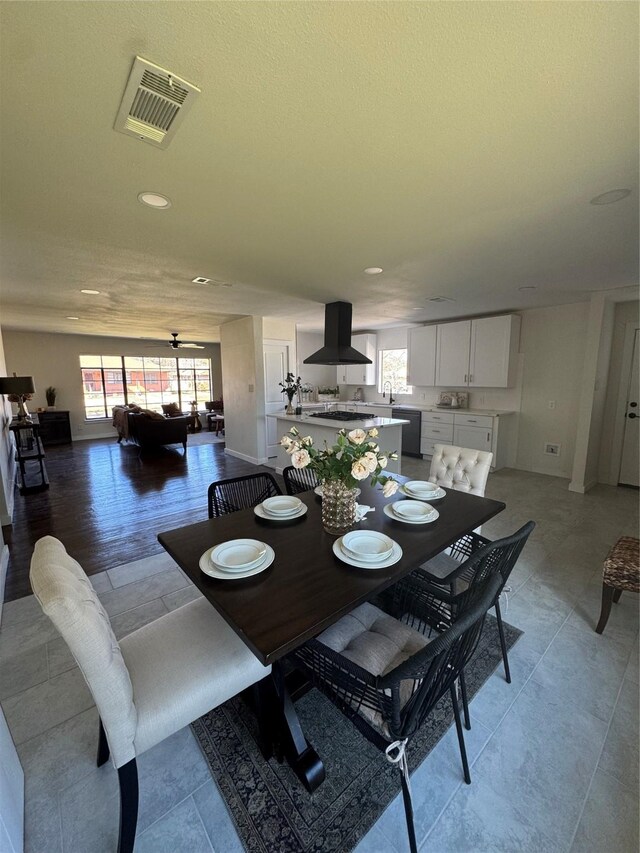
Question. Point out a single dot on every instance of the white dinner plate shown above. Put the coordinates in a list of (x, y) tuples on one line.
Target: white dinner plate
[(341, 554), (433, 496), (367, 546), (282, 505), (214, 571), (433, 515), (318, 491), (412, 510), (238, 554), (259, 511)]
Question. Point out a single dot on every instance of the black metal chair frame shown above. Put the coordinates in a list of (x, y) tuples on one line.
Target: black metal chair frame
[(225, 496), (297, 480), (433, 671)]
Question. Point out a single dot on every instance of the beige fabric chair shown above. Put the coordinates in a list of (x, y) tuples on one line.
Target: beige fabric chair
[(460, 468), (151, 684)]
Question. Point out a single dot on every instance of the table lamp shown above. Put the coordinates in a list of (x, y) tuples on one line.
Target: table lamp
[(20, 388)]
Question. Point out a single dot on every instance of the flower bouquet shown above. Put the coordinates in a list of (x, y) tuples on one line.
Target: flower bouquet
[(355, 456), (291, 386)]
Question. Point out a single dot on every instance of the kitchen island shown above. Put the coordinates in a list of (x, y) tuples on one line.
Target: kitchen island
[(389, 437)]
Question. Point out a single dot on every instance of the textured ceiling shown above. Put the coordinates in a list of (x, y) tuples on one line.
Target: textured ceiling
[(456, 145)]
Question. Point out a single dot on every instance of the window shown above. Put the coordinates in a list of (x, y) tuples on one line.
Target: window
[(393, 368), (111, 380)]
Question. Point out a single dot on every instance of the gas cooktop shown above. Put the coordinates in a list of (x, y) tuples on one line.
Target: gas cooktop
[(340, 416)]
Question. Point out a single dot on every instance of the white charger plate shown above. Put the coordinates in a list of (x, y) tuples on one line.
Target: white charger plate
[(238, 554), (213, 571), (259, 511), (318, 491), (282, 505), (433, 515), (368, 546), (433, 496), (396, 554)]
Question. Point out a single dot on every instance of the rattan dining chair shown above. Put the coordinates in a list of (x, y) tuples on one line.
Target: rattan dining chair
[(297, 480), (386, 675), (225, 496), (153, 682)]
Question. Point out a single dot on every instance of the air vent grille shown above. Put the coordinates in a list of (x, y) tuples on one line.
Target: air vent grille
[(154, 103)]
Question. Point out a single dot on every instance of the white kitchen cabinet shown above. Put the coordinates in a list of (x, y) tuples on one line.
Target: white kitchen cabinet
[(360, 374), (452, 354), (421, 356), (493, 353), (476, 438)]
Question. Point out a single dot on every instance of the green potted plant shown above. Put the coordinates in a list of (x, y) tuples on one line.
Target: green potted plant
[(50, 394)]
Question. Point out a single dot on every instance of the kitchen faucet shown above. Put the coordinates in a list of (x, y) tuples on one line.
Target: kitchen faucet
[(392, 399)]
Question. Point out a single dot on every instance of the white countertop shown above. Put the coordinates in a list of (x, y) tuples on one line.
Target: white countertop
[(493, 413), (369, 423)]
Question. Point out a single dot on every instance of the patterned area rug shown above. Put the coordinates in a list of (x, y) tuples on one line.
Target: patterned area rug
[(271, 809)]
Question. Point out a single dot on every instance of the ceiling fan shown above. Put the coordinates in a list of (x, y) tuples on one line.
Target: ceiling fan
[(176, 344)]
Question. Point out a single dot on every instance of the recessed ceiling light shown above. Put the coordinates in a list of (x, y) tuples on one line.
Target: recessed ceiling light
[(610, 197), (73, 318), (160, 202), (91, 292), (528, 287), (373, 270), (200, 279)]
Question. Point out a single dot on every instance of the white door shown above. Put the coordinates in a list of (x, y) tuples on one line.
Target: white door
[(452, 358), (276, 367), (475, 438), (629, 463), (421, 357), (490, 348)]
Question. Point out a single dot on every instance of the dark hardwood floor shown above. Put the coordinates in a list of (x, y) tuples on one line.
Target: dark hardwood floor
[(107, 502)]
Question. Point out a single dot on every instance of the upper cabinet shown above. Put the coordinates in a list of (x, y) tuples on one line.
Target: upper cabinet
[(452, 353), (421, 356), (360, 374), (480, 353), (493, 351)]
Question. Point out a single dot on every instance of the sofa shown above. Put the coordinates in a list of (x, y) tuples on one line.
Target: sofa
[(149, 429)]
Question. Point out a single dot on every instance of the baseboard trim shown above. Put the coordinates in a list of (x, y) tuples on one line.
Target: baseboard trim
[(582, 488), (245, 458), (111, 434)]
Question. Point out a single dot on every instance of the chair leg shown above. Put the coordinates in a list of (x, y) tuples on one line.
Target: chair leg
[(616, 596), (463, 750), (465, 701), (103, 747), (128, 779), (608, 593), (503, 644), (408, 811)]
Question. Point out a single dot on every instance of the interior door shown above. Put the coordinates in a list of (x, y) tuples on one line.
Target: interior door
[(629, 463), (276, 367)]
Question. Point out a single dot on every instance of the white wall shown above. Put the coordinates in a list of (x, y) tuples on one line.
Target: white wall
[(53, 359), (625, 312), (7, 461), (317, 375)]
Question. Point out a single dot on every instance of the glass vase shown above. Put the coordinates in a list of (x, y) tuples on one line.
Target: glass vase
[(338, 507)]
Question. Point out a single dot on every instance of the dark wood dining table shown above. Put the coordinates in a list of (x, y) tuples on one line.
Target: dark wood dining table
[(307, 588)]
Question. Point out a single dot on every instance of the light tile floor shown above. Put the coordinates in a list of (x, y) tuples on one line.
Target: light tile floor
[(554, 755)]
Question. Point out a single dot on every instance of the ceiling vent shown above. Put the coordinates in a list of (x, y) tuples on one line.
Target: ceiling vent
[(440, 299), (154, 103)]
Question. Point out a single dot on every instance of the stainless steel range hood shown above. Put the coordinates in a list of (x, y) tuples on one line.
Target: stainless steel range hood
[(337, 347)]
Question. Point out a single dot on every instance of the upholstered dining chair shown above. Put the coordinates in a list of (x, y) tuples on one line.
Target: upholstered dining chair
[(386, 675), (154, 682), (236, 493), (446, 581), (460, 468), (297, 480)]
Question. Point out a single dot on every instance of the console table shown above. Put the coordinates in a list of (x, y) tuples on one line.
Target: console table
[(29, 456)]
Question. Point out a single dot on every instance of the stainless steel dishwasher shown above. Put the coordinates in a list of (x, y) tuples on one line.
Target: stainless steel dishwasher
[(410, 431)]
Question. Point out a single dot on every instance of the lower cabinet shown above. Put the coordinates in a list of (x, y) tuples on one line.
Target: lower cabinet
[(478, 432), (55, 427), (476, 438)]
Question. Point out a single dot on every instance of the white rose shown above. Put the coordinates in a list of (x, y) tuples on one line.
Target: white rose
[(360, 470), (382, 461), (374, 447), (371, 460), (307, 441), (373, 432), (285, 441), (389, 488), (300, 459), (357, 436)]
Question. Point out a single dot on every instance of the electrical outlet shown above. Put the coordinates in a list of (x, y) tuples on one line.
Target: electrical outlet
[(424, 396), (251, 388), (552, 449), (552, 404)]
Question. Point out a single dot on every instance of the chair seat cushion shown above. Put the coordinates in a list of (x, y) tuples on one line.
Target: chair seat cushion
[(378, 643), (622, 566), (440, 566), (183, 665)]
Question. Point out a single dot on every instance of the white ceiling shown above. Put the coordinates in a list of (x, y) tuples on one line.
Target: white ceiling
[(456, 145)]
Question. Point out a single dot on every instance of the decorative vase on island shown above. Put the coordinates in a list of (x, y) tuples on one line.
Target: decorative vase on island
[(338, 507)]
